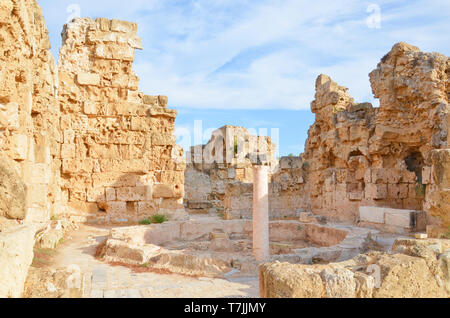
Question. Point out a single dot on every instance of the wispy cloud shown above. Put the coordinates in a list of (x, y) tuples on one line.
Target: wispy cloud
[(246, 54)]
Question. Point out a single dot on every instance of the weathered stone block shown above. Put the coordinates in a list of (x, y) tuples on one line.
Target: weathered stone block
[(150, 100), (127, 109), (163, 191), (9, 116), (146, 208), (132, 194), (441, 167), (355, 195), (114, 179), (116, 52), (161, 111), (368, 176), (77, 166), (376, 191), (426, 175), (163, 139), (37, 195), (96, 195), (67, 151), (19, 147), (40, 173), (88, 79), (140, 124), (90, 108), (172, 177), (69, 136), (77, 195), (397, 191), (393, 177), (116, 207), (401, 218), (379, 176), (16, 256), (371, 214), (123, 26), (163, 101), (13, 191), (103, 24), (110, 194)]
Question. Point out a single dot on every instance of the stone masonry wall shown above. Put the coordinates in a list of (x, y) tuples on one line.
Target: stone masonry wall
[(395, 156), (364, 156), (29, 136), (28, 108), (119, 154), (287, 192), (226, 160)]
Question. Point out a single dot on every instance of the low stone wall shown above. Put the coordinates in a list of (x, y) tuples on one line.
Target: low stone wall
[(420, 269), (197, 229), (16, 256)]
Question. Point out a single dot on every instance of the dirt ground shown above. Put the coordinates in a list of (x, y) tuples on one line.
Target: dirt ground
[(72, 270)]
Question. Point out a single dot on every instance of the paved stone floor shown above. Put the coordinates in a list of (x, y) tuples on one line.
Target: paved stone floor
[(100, 280)]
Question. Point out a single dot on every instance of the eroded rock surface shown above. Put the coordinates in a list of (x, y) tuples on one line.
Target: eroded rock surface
[(13, 191), (417, 270)]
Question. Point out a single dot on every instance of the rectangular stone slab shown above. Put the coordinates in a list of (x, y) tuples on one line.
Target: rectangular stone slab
[(371, 214)]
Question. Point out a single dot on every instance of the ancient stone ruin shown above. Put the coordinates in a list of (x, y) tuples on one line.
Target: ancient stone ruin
[(363, 209)]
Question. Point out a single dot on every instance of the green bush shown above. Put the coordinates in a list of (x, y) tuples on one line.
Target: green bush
[(145, 222), (159, 218), (155, 219)]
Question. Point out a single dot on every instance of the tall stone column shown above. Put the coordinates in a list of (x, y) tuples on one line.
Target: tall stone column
[(261, 213)]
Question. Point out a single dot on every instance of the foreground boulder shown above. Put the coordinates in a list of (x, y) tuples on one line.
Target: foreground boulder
[(16, 256), (419, 270), (13, 191)]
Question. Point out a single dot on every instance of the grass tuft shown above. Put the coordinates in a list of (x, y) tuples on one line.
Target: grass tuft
[(155, 219)]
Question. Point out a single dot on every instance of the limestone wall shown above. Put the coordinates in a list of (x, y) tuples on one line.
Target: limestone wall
[(29, 136), (226, 160), (394, 156), (364, 156), (287, 192), (118, 150), (28, 108)]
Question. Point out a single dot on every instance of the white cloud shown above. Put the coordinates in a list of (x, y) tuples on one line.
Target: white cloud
[(280, 46)]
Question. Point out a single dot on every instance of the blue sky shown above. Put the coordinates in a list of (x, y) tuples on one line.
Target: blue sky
[(253, 63)]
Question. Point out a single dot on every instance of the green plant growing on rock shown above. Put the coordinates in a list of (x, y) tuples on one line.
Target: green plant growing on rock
[(154, 219), (236, 145), (145, 222), (159, 218), (421, 189)]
